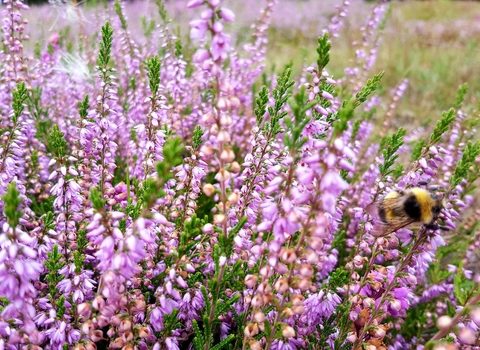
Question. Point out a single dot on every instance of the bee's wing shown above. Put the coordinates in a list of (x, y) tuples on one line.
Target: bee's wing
[(381, 229), (400, 220)]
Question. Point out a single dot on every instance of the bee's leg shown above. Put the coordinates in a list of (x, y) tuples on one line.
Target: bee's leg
[(436, 227)]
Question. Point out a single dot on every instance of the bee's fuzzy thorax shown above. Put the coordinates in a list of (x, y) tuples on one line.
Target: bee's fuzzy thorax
[(426, 202)]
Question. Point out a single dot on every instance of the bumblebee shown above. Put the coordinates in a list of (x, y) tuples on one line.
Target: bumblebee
[(399, 209)]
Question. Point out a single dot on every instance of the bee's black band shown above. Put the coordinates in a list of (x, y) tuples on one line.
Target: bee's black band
[(382, 214), (412, 208)]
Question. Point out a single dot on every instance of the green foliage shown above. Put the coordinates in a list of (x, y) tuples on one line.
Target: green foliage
[(415, 321), (442, 126), (171, 322), (191, 229), (338, 278), (355, 128), (161, 10), (226, 242), (57, 143), (461, 92), (83, 107), (153, 73), (78, 254), (61, 308), (3, 303), (20, 95), (323, 50), (40, 113), (470, 152), (339, 243), (197, 136), (371, 86), (392, 144), (397, 171), (463, 288), (96, 197), (346, 112), (343, 320), (172, 154), (121, 16), (178, 48), (105, 45), (417, 149), (299, 106), (261, 105), (281, 94), (53, 264), (147, 26), (12, 201)]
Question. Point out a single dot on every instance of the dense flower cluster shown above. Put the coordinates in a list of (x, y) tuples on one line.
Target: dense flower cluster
[(150, 200)]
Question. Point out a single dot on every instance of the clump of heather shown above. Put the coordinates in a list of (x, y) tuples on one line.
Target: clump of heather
[(173, 195)]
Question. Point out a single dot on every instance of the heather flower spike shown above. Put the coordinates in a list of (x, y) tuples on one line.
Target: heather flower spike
[(161, 192)]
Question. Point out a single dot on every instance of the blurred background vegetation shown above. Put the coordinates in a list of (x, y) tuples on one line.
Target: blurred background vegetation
[(435, 44)]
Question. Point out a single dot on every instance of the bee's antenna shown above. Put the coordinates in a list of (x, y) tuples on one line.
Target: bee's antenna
[(422, 183)]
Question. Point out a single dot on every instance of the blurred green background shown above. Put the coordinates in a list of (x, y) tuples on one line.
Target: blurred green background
[(435, 44)]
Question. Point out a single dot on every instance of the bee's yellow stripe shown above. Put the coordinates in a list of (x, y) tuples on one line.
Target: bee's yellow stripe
[(389, 214)]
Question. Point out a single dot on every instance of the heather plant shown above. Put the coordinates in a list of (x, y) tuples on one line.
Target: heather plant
[(174, 195)]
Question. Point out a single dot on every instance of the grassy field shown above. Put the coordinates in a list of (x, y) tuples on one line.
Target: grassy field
[(433, 43)]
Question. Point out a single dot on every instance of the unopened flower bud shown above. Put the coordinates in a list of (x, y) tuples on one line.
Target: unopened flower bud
[(223, 104), (87, 327), (288, 332), (96, 335), (233, 198), (222, 176), (219, 219), (395, 304), (84, 309), (368, 302), (444, 322), (144, 332), (257, 300), (223, 136), (118, 343), (251, 330), (289, 255), (250, 281), (467, 336), (311, 257), (287, 312), (208, 228), (351, 337), (235, 167), (254, 344), (116, 320), (208, 189), (306, 270), (298, 310), (225, 120), (102, 321), (380, 332), (264, 288), (475, 315), (125, 325), (281, 286), (266, 272), (207, 150), (259, 317), (227, 155)]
